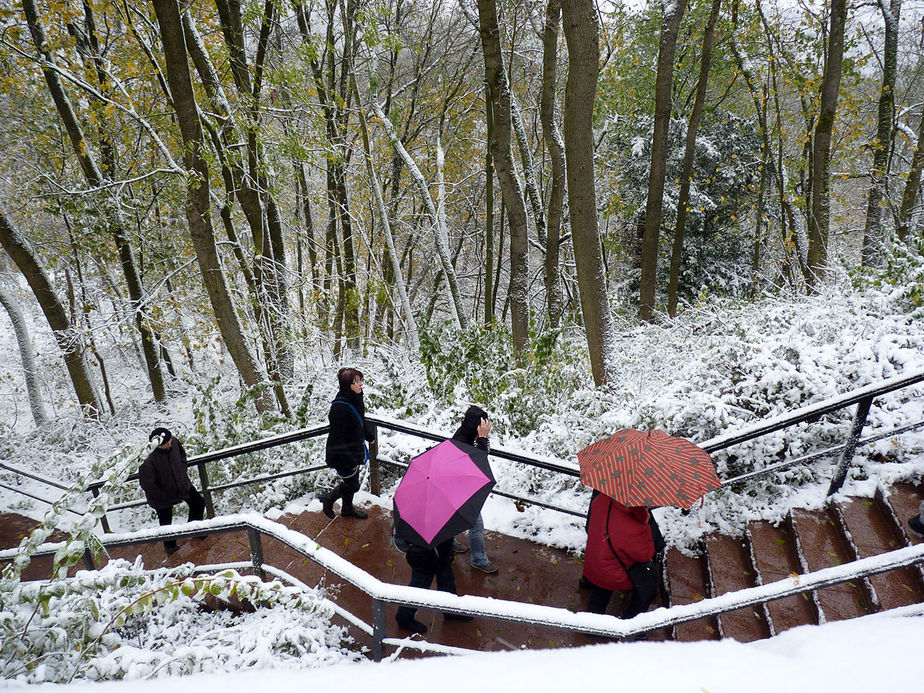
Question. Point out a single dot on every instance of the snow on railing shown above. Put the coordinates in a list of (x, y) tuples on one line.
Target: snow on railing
[(488, 607)]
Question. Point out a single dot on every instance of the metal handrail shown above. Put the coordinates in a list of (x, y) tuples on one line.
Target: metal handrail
[(383, 593), (863, 397), (811, 412)]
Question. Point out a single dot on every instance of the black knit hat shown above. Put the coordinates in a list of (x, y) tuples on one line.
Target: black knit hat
[(164, 434)]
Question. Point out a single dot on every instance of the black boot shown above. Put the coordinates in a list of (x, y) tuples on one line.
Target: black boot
[(347, 509), (327, 501)]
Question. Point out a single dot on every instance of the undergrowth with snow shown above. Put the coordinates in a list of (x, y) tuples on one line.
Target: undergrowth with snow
[(720, 365)]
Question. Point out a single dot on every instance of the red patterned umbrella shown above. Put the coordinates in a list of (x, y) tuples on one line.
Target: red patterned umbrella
[(648, 468)]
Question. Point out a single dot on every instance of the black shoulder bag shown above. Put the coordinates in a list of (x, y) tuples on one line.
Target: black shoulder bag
[(644, 576)]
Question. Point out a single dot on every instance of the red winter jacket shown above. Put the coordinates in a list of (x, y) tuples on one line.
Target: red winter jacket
[(629, 534)]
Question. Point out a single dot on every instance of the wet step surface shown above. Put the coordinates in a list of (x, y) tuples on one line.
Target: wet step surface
[(730, 570), (872, 531), (822, 546), (688, 582), (777, 559)]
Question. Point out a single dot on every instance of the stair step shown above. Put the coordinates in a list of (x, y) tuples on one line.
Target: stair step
[(822, 546), (688, 582), (776, 557), (730, 570), (905, 500), (872, 532)]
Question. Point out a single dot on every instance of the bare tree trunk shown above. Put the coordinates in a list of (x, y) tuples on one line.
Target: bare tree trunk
[(26, 355), (69, 342), (489, 291), (671, 15), (912, 184), (440, 231), (266, 281), (819, 219), (873, 235), (688, 153), (553, 142), (398, 276), (499, 96), (198, 212), (579, 19)]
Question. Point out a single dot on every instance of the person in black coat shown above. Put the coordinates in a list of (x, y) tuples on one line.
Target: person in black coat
[(428, 563), (165, 483), (347, 450)]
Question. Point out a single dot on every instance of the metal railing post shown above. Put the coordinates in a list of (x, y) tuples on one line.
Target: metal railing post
[(104, 520), (378, 629), (256, 552), (843, 464), (88, 560), (206, 492), (375, 469)]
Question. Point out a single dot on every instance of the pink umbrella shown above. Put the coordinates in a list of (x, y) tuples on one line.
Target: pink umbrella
[(442, 493)]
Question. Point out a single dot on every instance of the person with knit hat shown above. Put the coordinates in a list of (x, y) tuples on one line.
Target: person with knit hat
[(165, 482)]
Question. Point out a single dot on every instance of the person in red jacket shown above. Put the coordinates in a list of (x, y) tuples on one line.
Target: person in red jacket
[(617, 539), (165, 483)]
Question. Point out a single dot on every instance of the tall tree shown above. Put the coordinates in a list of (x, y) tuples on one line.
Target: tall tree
[(820, 213), (689, 151), (579, 18), (93, 173), (68, 340), (671, 15), (553, 142), (912, 186), (198, 211), (511, 190), (873, 236), (26, 353)]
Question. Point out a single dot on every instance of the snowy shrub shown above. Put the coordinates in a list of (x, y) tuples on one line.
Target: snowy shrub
[(123, 622), (481, 360)]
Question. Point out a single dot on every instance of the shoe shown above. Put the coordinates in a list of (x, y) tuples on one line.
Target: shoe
[(458, 617), (584, 583), (916, 524), (458, 547), (327, 503), (351, 511), (488, 567), (414, 626)]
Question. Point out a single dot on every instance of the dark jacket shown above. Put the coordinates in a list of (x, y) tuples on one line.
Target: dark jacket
[(468, 432), (345, 447), (163, 476), (429, 560), (612, 527)]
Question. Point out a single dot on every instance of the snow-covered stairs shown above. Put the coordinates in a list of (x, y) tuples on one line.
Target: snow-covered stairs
[(807, 541)]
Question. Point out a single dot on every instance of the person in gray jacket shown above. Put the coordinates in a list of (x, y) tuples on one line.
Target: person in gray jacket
[(165, 483)]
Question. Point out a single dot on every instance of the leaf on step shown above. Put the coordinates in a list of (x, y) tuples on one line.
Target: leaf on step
[(346, 541), (779, 542), (366, 545), (795, 577)]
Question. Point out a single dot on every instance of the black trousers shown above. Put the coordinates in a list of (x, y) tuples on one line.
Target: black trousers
[(347, 487), (639, 601), (445, 582), (196, 512)]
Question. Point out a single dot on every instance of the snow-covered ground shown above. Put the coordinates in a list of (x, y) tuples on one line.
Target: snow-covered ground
[(876, 653)]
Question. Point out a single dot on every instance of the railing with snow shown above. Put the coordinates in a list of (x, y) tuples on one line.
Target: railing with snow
[(382, 593), (862, 397)]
